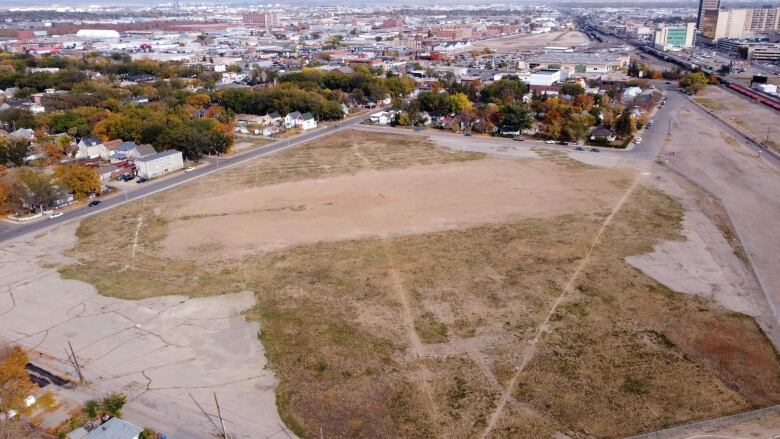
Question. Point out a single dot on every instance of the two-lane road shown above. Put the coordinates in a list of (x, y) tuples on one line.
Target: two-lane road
[(10, 231)]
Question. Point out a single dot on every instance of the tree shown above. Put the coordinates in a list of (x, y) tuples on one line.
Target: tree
[(459, 102), (624, 125), (578, 126), (694, 81), (516, 115), (77, 179), (572, 89), (15, 384), (40, 191), (113, 403), (13, 150)]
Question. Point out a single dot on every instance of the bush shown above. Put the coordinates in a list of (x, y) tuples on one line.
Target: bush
[(91, 407)]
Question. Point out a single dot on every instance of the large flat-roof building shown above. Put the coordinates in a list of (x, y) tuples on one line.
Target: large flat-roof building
[(259, 20), (674, 37), (578, 62)]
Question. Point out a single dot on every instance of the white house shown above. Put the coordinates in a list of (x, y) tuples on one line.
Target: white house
[(289, 120), (159, 164), (382, 118), (270, 130), (305, 121), (274, 118), (630, 93), (91, 147)]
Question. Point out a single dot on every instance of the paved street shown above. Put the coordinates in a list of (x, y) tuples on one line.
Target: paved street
[(10, 231)]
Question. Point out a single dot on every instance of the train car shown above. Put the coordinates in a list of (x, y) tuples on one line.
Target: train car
[(773, 103)]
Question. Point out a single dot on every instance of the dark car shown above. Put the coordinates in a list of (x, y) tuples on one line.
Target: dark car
[(595, 150), (579, 148), (563, 143), (467, 133), (142, 180), (95, 203)]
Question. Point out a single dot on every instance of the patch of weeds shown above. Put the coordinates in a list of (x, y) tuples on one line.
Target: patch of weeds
[(458, 392), (430, 329), (635, 386)]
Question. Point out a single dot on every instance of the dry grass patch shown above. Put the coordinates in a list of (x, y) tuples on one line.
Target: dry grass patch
[(624, 354)]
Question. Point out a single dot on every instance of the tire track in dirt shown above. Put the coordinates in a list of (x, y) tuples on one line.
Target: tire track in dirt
[(530, 349)]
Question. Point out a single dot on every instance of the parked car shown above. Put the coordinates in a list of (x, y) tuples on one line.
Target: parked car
[(55, 215), (142, 180), (650, 122), (95, 203), (563, 143), (190, 169), (638, 140), (551, 142), (579, 148), (595, 150), (467, 133)]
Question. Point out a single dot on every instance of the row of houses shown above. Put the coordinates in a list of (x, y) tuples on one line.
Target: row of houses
[(272, 123), (128, 158)]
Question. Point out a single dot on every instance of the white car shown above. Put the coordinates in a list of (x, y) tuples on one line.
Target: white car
[(551, 142), (638, 140), (55, 215), (190, 169), (650, 122)]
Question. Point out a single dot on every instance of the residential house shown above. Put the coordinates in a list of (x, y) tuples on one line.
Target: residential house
[(602, 133), (307, 121), (159, 164), (23, 133), (270, 130), (114, 428), (141, 151), (382, 118), (108, 173), (91, 147), (274, 118), (291, 118)]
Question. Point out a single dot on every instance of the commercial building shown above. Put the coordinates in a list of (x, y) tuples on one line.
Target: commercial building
[(159, 164), (578, 62), (259, 20), (674, 37), (708, 14), (740, 23), (545, 77)]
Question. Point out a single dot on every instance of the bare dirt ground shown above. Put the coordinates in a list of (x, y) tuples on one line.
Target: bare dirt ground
[(757, 119), (407, 332), (157, 351), (535, 41), (378, 203), (745, 184)]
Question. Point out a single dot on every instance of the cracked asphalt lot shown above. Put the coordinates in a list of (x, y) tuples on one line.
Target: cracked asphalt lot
[(164, 353)]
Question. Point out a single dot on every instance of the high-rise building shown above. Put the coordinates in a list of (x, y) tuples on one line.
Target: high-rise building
[(740, 23), (675, 37), (259, 20), (705, 5)]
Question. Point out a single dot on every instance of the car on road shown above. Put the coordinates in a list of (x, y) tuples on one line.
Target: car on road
[(563, 143), (595, 150), (551, 142), (638, 140), (190, 169), (579, 148), (467, 133), (55, 215), (94, 203), (142, 180), (650, 122)]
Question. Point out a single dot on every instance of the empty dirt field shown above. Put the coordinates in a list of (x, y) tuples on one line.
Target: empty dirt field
[(758, 120), (399, 286), (535, 41)]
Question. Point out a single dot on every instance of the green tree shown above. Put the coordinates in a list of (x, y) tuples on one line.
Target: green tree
[(113, 403), (694, 81), (515, 115), (13, 150), (625, 125)]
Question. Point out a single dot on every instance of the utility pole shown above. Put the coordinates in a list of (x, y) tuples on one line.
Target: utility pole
[(76, 363), (219, 413)]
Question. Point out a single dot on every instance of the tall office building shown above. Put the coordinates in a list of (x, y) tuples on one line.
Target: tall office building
[(740, 23), (706, 5)]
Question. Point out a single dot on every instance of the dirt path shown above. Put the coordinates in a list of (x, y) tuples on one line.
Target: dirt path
[(530, 349)]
